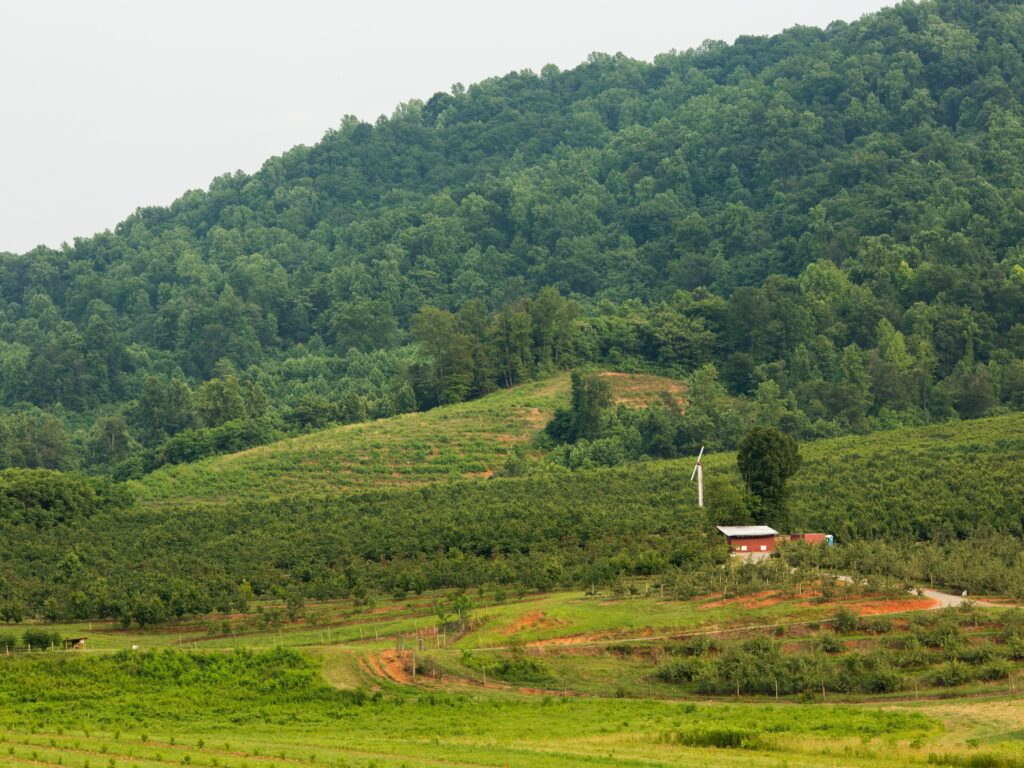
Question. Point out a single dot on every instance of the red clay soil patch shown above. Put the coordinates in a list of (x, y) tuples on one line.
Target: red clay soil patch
[(389, 664), (371, 665), (536, 417), (640, 390), (589, 637), (880, 607), (530, 620), (365, 666), (755, 600)]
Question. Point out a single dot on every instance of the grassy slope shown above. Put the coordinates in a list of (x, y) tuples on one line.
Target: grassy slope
[(69, 709), (464, 440), (312, 727)]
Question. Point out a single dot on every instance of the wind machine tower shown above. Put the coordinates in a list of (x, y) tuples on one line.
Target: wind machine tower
[(698, 472)]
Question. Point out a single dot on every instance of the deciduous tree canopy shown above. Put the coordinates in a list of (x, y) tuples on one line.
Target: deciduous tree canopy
[(832, 218)]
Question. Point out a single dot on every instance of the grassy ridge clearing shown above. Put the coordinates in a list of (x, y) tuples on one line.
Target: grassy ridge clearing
[(454, 442)]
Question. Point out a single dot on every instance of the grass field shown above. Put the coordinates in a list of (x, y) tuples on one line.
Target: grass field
[(240, 710), (460, 441), (318, 728), (332, 704)]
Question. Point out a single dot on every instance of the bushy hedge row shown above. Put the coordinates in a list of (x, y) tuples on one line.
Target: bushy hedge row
[(933, 651)]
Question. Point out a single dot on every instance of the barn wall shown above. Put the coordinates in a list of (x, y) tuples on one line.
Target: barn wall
[(752, 544)]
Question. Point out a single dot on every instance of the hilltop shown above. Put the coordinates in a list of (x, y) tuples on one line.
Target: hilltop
[(446, 443)]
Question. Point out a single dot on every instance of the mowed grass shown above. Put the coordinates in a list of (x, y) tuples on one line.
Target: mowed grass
[(460, 441), (274, 709), (485, 731)]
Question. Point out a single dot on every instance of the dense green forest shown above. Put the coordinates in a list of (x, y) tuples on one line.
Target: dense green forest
[(74, 547), (830, 220)]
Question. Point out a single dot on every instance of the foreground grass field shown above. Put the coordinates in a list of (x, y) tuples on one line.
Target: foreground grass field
[(274, 709), (333, 689), (466, 440)]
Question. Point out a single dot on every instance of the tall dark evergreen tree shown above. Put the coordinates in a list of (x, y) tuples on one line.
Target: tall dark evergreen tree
[(767, 458)]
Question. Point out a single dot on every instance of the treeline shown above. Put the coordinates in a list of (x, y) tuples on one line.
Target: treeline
[(832, 218)]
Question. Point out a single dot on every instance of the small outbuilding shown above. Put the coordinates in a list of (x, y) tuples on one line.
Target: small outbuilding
[(749, 540)]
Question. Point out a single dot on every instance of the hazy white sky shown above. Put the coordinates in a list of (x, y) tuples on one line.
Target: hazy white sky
[(108, 105)]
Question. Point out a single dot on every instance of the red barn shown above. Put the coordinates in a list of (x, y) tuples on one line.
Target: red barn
[(747, 540)]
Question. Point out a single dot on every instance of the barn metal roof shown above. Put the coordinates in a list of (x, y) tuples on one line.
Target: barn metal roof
[(744, 531)]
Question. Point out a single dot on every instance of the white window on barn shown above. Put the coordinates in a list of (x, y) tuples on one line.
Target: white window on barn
[(743, 548), (764, 547)]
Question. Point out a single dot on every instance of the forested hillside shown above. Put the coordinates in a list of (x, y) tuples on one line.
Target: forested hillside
[(832, 219)]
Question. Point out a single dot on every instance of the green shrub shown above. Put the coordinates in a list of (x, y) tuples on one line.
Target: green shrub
[(997, 669), (683, 670), (846, 621), (979, 654), (952, 673), (40, 638), (879, 625), (884, 679), (831, 644), (1015, 648), (514, 667), (694, 646), (720, 738)]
